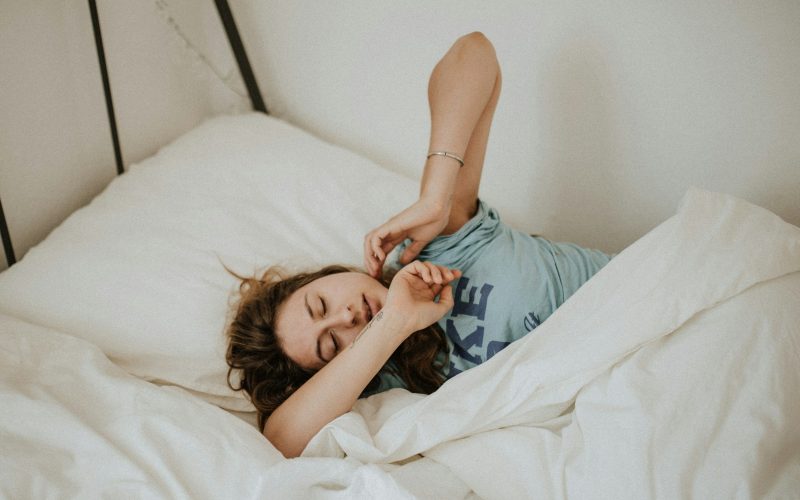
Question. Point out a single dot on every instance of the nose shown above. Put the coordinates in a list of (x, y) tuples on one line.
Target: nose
[(347, 317)]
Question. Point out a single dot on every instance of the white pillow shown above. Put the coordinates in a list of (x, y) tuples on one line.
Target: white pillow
[(137, 272)]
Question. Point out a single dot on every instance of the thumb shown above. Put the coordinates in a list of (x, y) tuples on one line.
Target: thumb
[(411, 252), (446, 299)]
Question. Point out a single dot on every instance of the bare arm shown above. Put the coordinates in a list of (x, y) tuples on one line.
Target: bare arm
[(463, 91), (333, 390)]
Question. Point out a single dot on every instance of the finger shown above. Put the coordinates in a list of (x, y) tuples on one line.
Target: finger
[(376, 269), (426, 273), (450, 274), (376, 252), (369, 259), (447, 274), (436, 273), (389, 244), (422, 271), (386, 248), (412, 251), (446, 301), (376, 246), (376, 265)]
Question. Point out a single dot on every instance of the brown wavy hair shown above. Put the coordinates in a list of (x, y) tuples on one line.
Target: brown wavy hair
[(269, 376)]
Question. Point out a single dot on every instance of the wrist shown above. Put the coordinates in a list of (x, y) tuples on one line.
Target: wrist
[(439, 180), (398, 324), (437, 204)]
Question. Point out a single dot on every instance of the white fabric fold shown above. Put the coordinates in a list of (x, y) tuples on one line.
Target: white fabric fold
[(713, 249), (673, 373)]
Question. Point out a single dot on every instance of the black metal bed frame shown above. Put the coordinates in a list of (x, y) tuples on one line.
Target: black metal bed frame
[(242, 61)]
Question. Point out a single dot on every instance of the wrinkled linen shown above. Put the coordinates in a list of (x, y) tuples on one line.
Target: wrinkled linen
[(673, 373), (75, 425)]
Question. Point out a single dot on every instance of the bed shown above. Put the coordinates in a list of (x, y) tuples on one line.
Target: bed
[(673, 373)]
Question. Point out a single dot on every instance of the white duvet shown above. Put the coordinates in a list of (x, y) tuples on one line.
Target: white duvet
[(673, 373)]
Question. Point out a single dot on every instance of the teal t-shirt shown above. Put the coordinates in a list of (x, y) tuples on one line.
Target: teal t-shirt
[(511, 282)]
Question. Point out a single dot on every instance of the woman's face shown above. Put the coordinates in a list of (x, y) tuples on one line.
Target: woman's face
[(323, 317)]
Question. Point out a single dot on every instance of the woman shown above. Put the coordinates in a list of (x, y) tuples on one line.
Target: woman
[(310, 345)]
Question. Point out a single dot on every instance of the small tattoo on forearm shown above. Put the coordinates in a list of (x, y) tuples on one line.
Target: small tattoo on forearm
[(377, 318)]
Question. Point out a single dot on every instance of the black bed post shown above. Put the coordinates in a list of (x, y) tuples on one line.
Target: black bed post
[(10, 258), (241, 56), (241, 60), (101, 56)]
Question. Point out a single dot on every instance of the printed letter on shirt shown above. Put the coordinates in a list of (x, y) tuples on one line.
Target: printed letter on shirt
[(470, 308)]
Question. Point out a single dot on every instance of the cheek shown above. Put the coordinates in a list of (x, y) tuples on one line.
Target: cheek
[(348, 337)]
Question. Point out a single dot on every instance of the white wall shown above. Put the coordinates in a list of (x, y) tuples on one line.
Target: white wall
[(55, 142), (54, 139), (609, 110), (162, 86)]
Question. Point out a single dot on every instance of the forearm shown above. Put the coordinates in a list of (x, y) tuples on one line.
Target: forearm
[(463, 91), (334, 389), (460, 87)]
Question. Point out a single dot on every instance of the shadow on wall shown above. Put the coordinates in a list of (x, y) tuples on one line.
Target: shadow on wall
[(583, 162)]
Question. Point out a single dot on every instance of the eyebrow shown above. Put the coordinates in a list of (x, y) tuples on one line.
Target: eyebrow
[(311, 315)]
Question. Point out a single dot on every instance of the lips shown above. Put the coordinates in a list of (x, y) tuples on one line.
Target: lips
[(367, 309)]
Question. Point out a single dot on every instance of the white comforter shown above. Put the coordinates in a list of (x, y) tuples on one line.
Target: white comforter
[(673, 373)]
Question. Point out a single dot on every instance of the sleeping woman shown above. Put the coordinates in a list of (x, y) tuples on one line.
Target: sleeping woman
[(309, 345)]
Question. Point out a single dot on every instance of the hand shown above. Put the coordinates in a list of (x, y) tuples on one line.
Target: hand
[(422, 222), (413, 290)]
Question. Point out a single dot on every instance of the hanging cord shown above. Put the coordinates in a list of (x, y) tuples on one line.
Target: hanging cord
[(232, 80)]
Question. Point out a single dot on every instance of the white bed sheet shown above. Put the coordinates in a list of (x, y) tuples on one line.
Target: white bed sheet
[(75, 425), (673, 373)]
